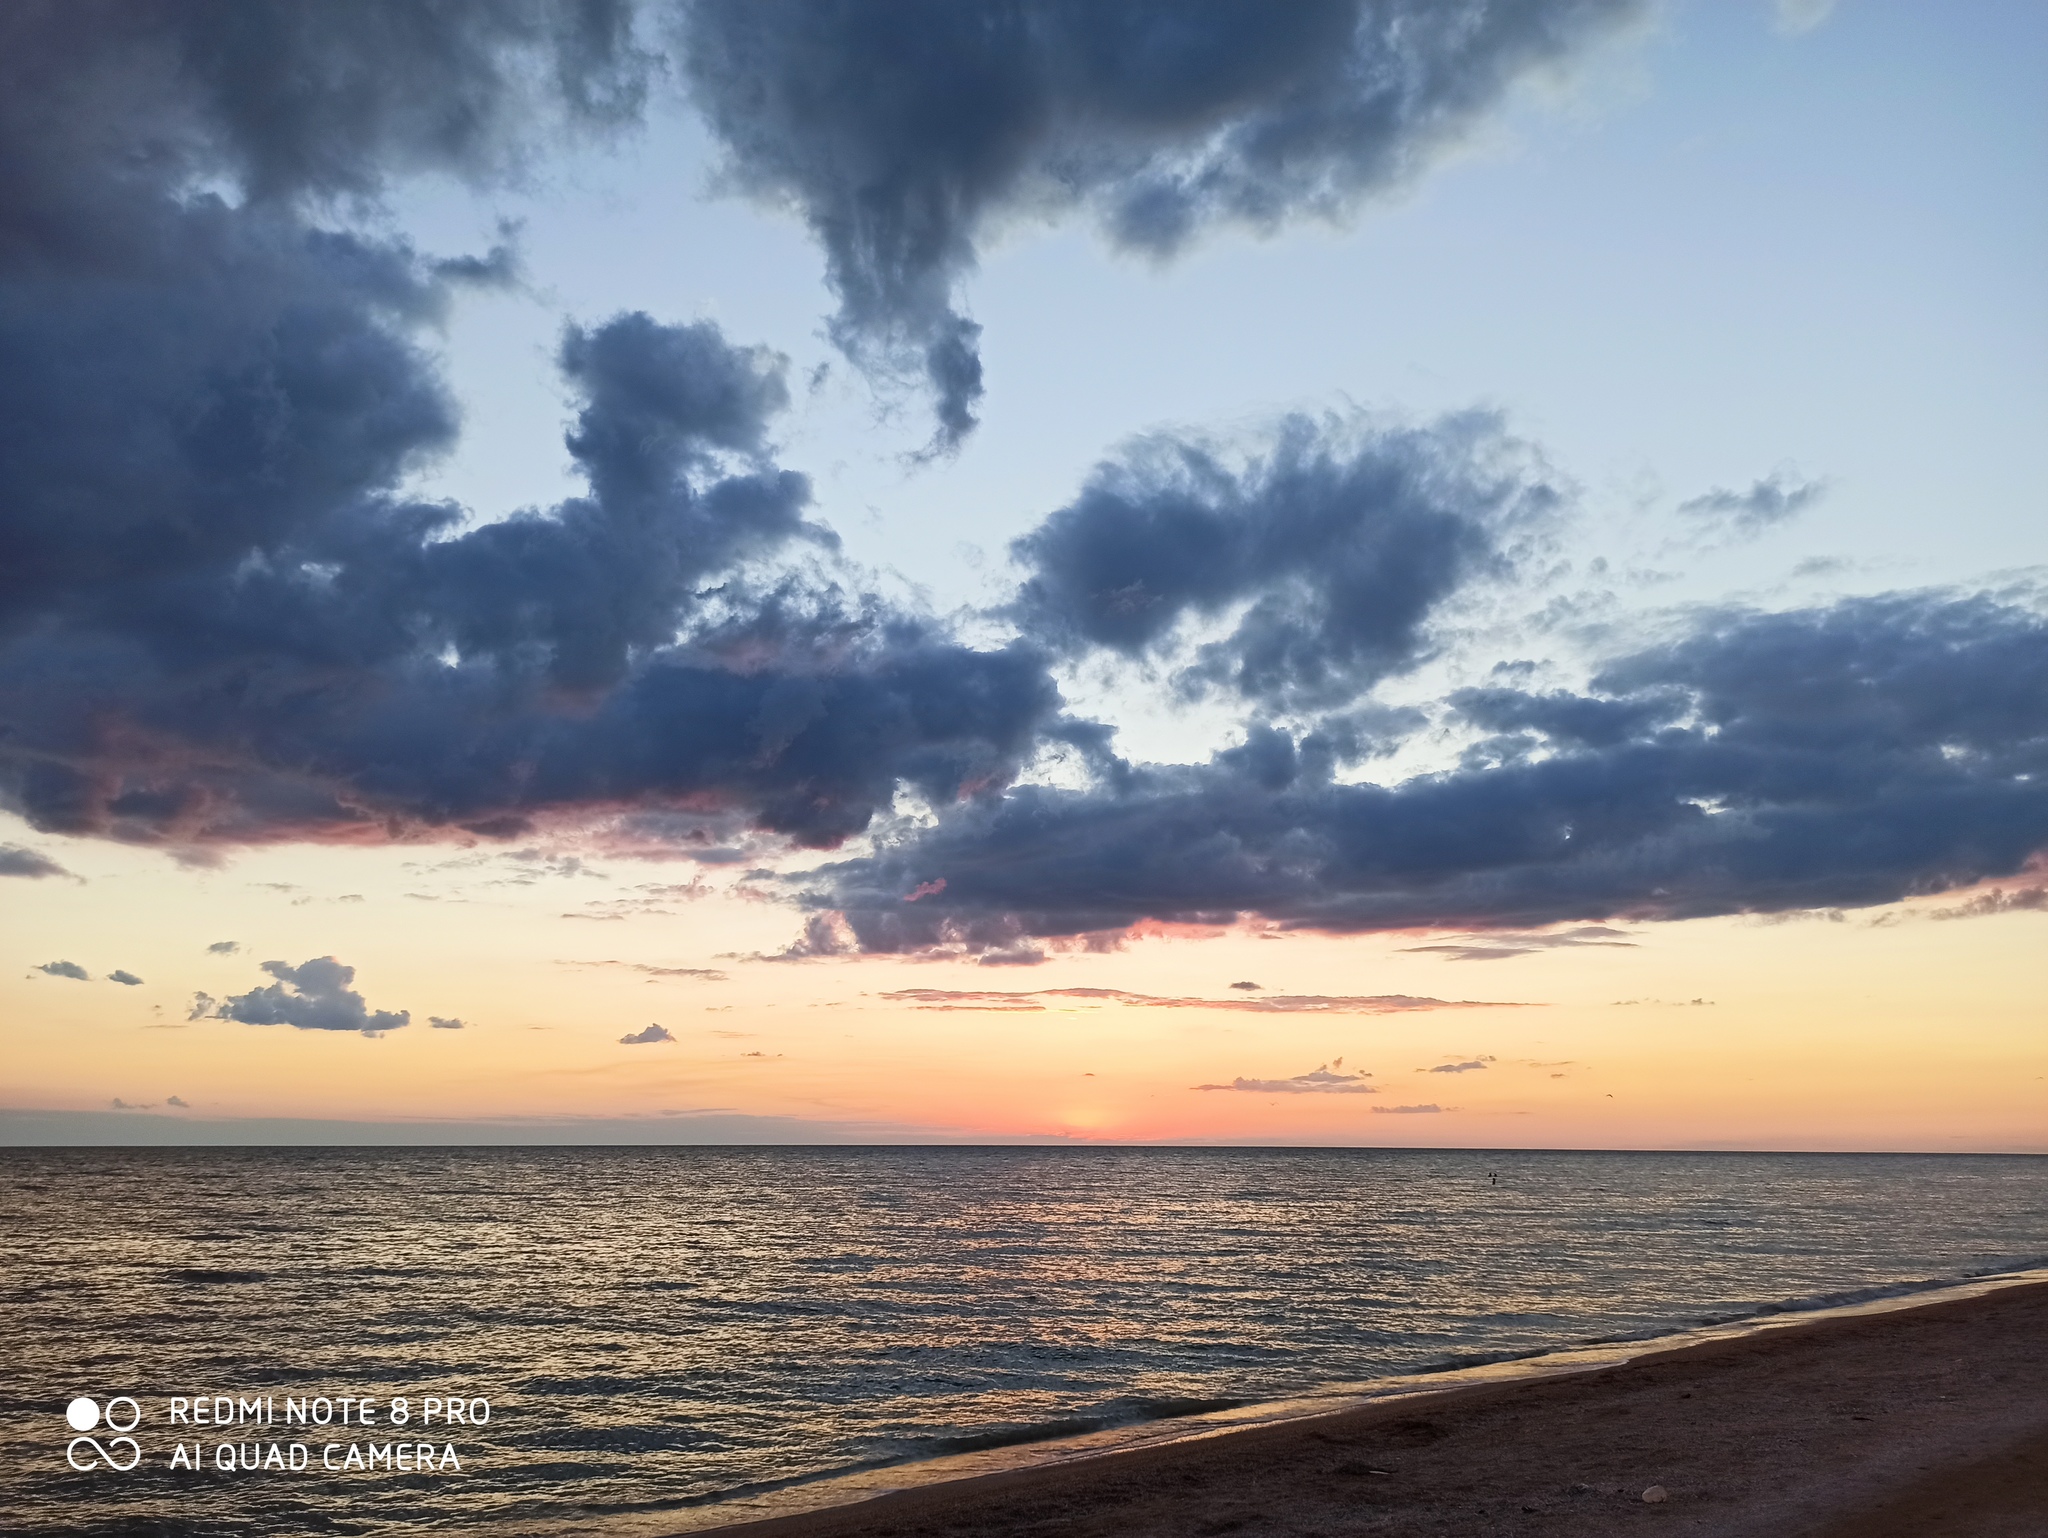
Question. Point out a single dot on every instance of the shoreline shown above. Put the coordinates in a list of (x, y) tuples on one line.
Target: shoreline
[(947, 1494)]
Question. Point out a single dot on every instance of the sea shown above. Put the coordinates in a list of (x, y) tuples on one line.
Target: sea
[(632, 1336)]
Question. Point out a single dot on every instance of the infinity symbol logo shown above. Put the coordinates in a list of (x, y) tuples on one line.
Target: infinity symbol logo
[(85, 1415), (107, 1453)]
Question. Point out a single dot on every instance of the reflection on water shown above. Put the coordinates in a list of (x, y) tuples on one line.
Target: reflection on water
[(656, 1327)]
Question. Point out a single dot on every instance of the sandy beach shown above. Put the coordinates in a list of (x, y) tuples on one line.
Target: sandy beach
[(1924, 1422)]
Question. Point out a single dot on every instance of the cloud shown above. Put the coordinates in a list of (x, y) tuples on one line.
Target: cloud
[(70, 969), (2027, 899), (224, 948), (127, 979), (180, 1104), (1320, 1081), (653, 1033), (477, 681), (1778, 498), (1410, 1110), (1504, 944), (1275, 1004), (1248, 987), (16, 861), (222, 619), (1842, 756), (1469, 1066), (1339, 538), (118, 1104), (904, 134), (444, 1023), (652, 973), (313, 996)]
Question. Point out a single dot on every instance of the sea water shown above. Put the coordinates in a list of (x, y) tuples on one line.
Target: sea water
[(635, 1331)]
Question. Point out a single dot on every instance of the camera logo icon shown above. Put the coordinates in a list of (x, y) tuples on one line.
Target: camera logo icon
[(121, 1453)]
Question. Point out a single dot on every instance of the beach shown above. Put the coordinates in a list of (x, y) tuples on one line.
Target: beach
[(1920, 1422)]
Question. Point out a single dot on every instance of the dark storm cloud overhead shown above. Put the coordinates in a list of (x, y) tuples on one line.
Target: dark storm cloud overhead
[(1319, 1082), (354, 664), (1835, 757), (68, 969), (313, 996), (1342, 537), (16, 861), (221, 622), (287, 99), (905, 132)]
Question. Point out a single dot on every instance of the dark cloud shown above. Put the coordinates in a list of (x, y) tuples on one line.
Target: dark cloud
[(224, 948), (904, 132), (288, 100), (70, 969), (652, 1034), (313, 996), (1340, 537), (179, 1104), (126, 979), (1319, 1082), (1777, 498), (1836, 757), (444, 1023), (1248, 987), (16, 861), (220, 619), (1471, 1065), (364, 670)]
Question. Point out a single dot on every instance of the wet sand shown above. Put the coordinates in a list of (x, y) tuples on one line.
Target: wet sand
[(1925, 1422)]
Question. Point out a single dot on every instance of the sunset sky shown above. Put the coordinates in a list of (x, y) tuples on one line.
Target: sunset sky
[(750, 572)]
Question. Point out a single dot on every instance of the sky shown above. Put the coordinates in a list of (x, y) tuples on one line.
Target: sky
[(1354, 573)]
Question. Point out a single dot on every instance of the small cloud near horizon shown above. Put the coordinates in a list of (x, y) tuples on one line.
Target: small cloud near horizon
[(125, 978), (1503, 945), (1320, 1081), (1411, 1110), (446, 1023), (653, 1033), (1270, 1004), (224, 948), (70, 969), (313, 996), (1471, 1065)]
